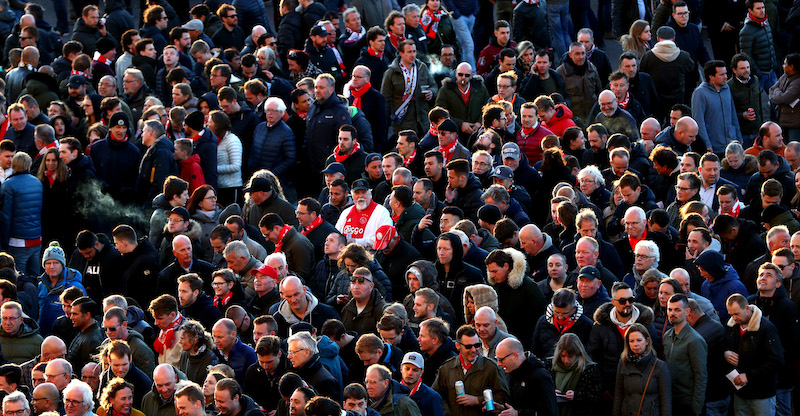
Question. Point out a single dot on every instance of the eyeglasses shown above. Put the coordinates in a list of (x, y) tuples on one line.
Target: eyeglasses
[(500, 360), (586, 180), (217, 284), (471, 346), (19, 412), (290, 352), (359, 279), (174, 220), (52, 376), (624, 301), (641, 256), (679, 188), (73, 402), (232, 15), (502, 87), (682, 14), (781, 266), (10, 318), (25, 38), (111, 328), (464, 75), (301, 213), (36, 399)]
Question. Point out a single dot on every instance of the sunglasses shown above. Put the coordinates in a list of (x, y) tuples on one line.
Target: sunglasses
[(464, 75), (471, 346), (624, 301), (359, 279)]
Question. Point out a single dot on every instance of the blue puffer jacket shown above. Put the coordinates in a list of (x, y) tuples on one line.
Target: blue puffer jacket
[(273, 149), (21, 214), (329, 355), (716, 116), (719, 290), (49, 304), (251, 13), (240, 358)]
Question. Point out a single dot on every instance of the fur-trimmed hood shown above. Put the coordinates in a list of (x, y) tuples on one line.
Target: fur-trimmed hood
[(602, 314), (194, 231), (517, 273), (749, 166), (755, 320), (482, 295)]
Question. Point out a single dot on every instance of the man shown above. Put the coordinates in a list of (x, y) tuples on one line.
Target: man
[(230, 349), (589, 282), (530, 386), (475, 371), (115, 322), (135, 90), (312, 225), (157, 163), (205, 145), (407, 99), (321, 55), (349, 153), (687, 190), (265, 200), (721, 281), (18, 334), (711, 181), (449, 145), (261, 379), (373, 57), (714, 110), (682, 276), (20, 131), (298, 305), (298, 249), (464, 97), (121, 365), (436, 345), (244, 122), (636, 230), (238, 232), (745, 90), (428, 400), (564, 315), (426, 306), (582, 80), (230, 35), (668, 66), (688, 37), (464, 190), (537, 246), (365, 96), (116, 159), (189, 401), (304, 356), (230, 401), (160, 400), (488, 57), (782, 313), (17, 76), (506, 68), (360, 222), (78, 399), (486, 326), (517, 293), (354, 38), (382, 395), (531, 24), (611, 320), (682, 346), (756, 40), (45, 398), (167, 318), (770, 137), (370, 350), (408, 148), (543, 80), (758, 366), (321, 137), (194, 302), (90, 336), (60, 373), (362, 312), (770, 166), (785, 259)]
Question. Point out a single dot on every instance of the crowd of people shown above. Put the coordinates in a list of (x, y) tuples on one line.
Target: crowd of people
[(383, 207)]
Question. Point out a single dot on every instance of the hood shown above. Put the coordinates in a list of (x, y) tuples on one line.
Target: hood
[(29, 327), (327, 348), (40, 78), (755, 320), (193, 232), (750, 165), (139, 60), (458, 249), (517, 273), (134, 334), (666, 50), (712, 262), (80, 26), (602, 314), (429, 273), (134, 315), (112, 5), (562, 112), (195, 158), (160, 201), (286, 311), (575, 316), (482, 295)]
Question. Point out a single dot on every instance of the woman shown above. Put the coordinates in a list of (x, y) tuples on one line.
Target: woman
[(117, 399), (300, 65), (91, 107), (197, 354), (637, 41), (526, 56), (643, 383), (97, 131), (478, 296), (59, 124), (608, 212), (208, 389), (352, 257), (229, 158), (203, 208), (575, 376), (53, 174), (437, 23)]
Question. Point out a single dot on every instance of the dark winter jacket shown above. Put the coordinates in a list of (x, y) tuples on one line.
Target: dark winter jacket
[(757, 42), (530, 23), (782, 313), (449, 97), (24, 345), (316, 314), (196, 366), (519, 298), (206, 148), (88, 36), (117, 165), (583, 84), (630, 387), (530, 388), (318, 377), (530, 87), (468, 198), (341, 285), (760, 355), (547, 334), (22, 196), (240, 358), (157, 163), (460, 275), (141, 272), (273, 148), (322, 126)]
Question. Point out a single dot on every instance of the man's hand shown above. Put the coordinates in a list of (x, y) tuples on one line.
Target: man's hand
[(425, 222), (726, 27), (740, 380), (428, 95), (510, 411), (747, 115), (468, 400), (342, 299), (732, 358), (467, 128), (689, 255), (449, 194)]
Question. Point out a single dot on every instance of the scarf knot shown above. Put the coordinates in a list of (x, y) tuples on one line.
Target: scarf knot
[(281, 236), (340, 157), (357, 93)]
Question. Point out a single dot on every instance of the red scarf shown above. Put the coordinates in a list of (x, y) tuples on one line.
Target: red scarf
[(373, 53), (563, 326), (51, 176), (465, 94), (742, 330), (416, 387), (101, 58), (633, 242), (763, 22), (281, 236), (301, 114), (358, 92), (432, 130), (341, 158), (356, 221), (76, 72), (197, 136), (430, 22), (314, 224), (166, 338), (465, 365), (224, 301), (395, 40), (410, 160), (338, 57), (124, 139), (4, 127), (53, 145), (526, 131), (447, 152), (624, 102), (116, 413)]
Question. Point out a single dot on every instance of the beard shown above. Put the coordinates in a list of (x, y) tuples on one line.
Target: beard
[(362, 204)]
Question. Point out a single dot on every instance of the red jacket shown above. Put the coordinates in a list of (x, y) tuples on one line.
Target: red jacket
[(561, 120), (192, 173), (531, 144)]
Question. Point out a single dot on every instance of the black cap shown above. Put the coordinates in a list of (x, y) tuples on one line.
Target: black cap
[(180, 211), (371, 157), (104, 45), (448, 125), (503, 172), (489, 214), (119, 119), (589, 272), (319, 30), (259, 185), (360, 185), (76, 81), (665, 32), (195, 120), (334, 167)]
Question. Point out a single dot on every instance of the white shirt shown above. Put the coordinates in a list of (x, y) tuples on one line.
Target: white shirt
[(707, 194)]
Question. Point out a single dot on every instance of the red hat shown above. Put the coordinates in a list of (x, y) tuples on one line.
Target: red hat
[(266, 270), (384, 234)]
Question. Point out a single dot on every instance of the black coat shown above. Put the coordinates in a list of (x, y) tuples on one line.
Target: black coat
[(117, 165), (468, 198), (140, 277), (206, 148), (260, 305), (202, 310), (317, 237), (322, 127), (395, 265), (377, 65), (461, 275), (669, 257), (783, 314), (157, 163), (101, 275), (374, 107), (353, 165), (760, 356), (445, 352), (318, 377), (546, 335), (530, 23), (531, 389), (168, 277)]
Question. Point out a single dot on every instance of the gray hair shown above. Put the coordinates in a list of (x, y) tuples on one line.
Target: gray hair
[(281, 106), (347, 12), (280, 256), (236, 248), (306, 340), (83, 388), (652, 248), (45, 133), (593, 172), (180, 237), (136, 73), (408, 177), (115, 300), (15, 397), (638, 210), (411, 7), (585, 30), (586, 214), (498, 193), (156, 127)]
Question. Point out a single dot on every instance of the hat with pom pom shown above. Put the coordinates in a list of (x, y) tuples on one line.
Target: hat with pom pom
[(54, 252)]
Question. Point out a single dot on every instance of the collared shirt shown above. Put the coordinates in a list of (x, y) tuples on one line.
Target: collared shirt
[(707, 194)]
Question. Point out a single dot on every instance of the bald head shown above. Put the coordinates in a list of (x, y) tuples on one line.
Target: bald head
[(226, 324), (27, 20), (686, 123), (486, 313), (650, 129), (180, 241), (164, 371), (291, 283), (52, 347), (464, 68), (531, 239)]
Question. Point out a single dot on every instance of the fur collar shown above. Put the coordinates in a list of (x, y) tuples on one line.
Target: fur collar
[(601, 315), (750, 164), (193, 232), (755, 320), (517, 273)]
